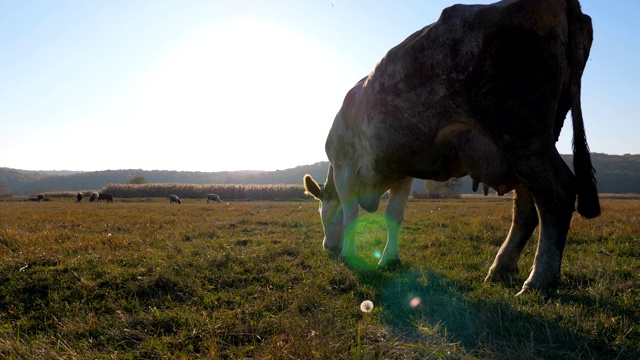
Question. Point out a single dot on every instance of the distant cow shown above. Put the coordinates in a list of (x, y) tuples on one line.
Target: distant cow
[(174, 199), (94, 197), (79, 197), (104, 196), (484, 92), (40, 197), (213, 197)]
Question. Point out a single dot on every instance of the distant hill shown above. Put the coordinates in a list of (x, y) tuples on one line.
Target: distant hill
[(615, 174), (23, 182)]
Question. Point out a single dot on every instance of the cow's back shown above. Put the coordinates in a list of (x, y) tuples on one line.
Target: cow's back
[(497, 71), (521, 71)]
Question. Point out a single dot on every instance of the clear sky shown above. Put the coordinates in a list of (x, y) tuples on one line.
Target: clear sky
[(217, 85)]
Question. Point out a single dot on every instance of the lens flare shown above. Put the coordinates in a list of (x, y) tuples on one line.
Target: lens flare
[(415, 302)]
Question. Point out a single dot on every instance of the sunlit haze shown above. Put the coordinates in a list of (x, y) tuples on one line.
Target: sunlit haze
[(235, 85)]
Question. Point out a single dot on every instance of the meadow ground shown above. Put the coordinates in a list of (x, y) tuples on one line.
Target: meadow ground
[(145, 279)]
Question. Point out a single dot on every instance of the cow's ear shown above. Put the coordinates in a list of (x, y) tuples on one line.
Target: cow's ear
[(312, 188)]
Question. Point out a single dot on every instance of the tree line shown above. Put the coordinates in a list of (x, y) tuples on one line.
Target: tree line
[(195, 191), (617, 174)]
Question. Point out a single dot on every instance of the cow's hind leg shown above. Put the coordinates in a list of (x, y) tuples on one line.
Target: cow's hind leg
[(394, 215), (525, 220), (553, 188)]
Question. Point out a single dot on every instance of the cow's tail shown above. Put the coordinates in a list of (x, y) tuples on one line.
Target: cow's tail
[(580, 39)]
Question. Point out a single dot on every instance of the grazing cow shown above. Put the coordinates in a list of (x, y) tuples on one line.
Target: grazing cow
[(484, 92), (40, 197), (94, 197), (79, 197), (213, 197), (105, 196), (174, 199)]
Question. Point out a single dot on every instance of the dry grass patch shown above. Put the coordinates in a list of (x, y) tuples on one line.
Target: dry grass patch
[(249, 280)]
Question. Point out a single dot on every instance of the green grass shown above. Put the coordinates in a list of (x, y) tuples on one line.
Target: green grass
[(134, 280)]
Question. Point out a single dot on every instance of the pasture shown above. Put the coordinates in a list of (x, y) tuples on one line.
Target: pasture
[(146, 279)]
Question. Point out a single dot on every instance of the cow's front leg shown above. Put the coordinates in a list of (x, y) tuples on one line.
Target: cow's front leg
[(525, 220), (350, 209), (394, 215)]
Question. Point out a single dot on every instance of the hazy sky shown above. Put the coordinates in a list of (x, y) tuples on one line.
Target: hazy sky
[(235, 85)]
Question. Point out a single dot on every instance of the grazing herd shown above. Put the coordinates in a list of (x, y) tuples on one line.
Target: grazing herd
[(97, 197), (210, 197)]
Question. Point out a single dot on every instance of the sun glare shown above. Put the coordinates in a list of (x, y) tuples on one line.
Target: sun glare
[(242, 82)]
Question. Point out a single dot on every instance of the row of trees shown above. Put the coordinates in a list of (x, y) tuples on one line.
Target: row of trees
[(194, 191)]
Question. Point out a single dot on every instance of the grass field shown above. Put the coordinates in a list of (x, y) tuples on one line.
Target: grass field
[(145, 279)]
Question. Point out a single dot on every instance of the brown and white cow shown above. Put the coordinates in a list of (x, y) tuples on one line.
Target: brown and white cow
[(94, 197), (484, 92)]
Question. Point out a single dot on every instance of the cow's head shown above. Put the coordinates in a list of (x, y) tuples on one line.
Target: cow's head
[(330, 211)]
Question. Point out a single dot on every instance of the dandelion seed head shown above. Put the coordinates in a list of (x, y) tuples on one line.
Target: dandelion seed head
[(366, 306)]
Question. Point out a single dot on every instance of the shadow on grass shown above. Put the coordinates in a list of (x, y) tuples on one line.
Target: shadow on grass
[(428, 311)]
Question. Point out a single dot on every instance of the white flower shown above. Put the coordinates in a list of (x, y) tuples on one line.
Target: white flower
[(366, 306)]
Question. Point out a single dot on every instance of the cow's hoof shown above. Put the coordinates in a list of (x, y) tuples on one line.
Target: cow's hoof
[(527, 290), (333, 253), (390, 264), (503, 274), (348, 256), (546, 290), (523, 291)]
